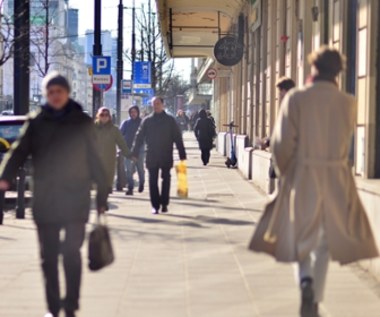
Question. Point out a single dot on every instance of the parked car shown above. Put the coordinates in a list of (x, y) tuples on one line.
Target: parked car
[(10, 128), (7, 113)]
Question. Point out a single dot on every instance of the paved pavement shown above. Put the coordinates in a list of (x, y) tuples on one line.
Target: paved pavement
[(192, 262)]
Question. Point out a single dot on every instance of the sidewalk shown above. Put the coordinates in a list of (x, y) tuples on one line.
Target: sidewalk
[(192, 262)]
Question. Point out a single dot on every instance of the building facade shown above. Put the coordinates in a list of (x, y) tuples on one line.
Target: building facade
[(278, 36)]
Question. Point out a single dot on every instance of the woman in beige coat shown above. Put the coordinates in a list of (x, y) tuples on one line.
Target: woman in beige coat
[(317, 213)]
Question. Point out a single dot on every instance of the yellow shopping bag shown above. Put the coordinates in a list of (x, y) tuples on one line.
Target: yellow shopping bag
[(182, 185)]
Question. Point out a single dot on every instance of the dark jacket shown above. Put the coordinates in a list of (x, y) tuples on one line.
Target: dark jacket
[(129, 128), (204, 130), (65, 163), (159, 132), (109, 137)]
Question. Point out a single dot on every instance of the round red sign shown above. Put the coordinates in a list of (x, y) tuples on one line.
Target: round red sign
[(104, 88), (212, 73)]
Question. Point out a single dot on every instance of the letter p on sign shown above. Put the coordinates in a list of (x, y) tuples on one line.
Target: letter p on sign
[(102, 65)]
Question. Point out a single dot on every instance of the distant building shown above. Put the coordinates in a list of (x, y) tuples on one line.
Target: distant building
[(73, 25), (88, 42)]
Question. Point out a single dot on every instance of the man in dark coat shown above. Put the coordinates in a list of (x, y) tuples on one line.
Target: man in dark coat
[(204, 130), (128, 130), (159, 131), (60, 138)]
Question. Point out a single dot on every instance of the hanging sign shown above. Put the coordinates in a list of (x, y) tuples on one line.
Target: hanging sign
[(229, 51)]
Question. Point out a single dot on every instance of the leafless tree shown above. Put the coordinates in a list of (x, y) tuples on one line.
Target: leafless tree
[(6, 36), (46, 44), (151, 48)]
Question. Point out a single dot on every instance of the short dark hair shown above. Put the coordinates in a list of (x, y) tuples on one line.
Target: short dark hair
[(285, 83), (328, 61)]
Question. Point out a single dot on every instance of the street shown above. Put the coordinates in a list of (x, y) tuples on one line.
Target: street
[(192, 262)]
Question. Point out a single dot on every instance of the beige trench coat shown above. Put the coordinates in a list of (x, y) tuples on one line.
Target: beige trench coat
[(310, 146)]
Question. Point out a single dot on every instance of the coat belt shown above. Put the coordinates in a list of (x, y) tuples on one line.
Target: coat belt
[(314, 162)]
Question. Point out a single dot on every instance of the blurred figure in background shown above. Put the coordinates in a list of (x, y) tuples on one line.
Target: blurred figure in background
[(317, 213), (284, 85), (210, 116), (109, 138), (205, 133), (129, 129), (182, 121), (62, 143)]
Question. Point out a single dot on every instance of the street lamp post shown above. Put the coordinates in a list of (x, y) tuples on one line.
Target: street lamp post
[(97, 51), (119, 62), (21, 56)]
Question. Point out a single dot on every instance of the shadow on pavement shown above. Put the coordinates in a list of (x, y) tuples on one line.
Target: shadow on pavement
[(155, 219), (212, 220), (7, 239)]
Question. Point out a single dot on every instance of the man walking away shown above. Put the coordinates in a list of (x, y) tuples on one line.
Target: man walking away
[(205, 133), (159, 131), (129, 129), (61, 141), (317, 213), (284, 85)]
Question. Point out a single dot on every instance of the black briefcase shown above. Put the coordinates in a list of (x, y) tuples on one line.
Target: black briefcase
[(100, 251)]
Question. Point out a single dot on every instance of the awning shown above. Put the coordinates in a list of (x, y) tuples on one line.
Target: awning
[(199, 100), (190, 28)]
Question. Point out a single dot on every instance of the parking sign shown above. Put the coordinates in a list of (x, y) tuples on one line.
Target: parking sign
[(142, 75), (101, 66)]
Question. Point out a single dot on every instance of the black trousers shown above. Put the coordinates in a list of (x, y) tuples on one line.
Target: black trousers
[(156, 198), (51, 247), (206, 154)]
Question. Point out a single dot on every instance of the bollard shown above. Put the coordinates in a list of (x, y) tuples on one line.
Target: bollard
[(20, 206), (2, 203)]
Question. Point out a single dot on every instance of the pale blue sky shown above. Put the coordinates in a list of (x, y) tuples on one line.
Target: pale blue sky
[(109, 22)]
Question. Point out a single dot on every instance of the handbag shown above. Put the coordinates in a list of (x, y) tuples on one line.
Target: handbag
[(100, 251)]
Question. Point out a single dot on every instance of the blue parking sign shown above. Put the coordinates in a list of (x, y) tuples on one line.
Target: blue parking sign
[(101, 65)]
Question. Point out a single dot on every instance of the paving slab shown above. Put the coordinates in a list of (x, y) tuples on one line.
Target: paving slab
[(192, 262)]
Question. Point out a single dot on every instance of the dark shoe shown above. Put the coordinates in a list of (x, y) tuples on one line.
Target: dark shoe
[(316, 310), (110, 190), (165, 209), (129, 192), (307, 297), (155, 211), (141, 189), (69, 314)]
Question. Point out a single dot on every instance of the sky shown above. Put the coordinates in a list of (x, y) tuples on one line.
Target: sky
[(109, 22)]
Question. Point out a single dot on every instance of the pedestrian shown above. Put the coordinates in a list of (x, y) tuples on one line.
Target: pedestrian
[(60, 138), (317, 213), (129, 129), (159, 131), (205, 133), (284, 85), (193, 119), (182, 121), (109, 138), (210, 116)]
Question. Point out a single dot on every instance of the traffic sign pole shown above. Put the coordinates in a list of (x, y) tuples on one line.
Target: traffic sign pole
[(97, 50)]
